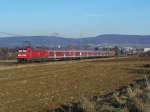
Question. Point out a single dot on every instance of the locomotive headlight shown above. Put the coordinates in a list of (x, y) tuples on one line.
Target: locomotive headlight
[(22, 55)]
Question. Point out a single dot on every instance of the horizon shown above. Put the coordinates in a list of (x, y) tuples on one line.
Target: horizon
[(75, 19), (22, 36)]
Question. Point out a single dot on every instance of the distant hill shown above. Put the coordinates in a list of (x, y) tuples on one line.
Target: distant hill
[(109, 39)]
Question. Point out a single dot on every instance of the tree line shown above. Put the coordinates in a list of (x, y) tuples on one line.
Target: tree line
[(8, 53)]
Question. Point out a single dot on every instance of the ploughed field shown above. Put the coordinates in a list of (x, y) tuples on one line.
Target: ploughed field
[(40, 87)]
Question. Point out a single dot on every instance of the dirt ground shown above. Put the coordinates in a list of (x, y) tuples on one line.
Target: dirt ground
[(39, 87)]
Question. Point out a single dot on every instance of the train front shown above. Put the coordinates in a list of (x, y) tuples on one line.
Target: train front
[(23, 55)]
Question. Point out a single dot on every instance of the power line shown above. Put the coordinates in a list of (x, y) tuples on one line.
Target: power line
[(11, 34)]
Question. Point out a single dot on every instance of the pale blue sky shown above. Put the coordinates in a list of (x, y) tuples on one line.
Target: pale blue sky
[(75, 18)]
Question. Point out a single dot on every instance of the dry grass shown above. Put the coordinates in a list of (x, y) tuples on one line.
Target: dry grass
[(40, 87)]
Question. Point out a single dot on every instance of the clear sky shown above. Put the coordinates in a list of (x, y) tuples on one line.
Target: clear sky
[(75, 18)]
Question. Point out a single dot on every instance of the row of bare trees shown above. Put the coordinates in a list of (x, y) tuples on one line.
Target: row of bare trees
[(7, 53)]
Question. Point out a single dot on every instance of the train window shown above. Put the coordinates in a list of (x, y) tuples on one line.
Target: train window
[(77, 53), (24, 50), (60, 53), (68, 53), (19, 50), (51, 53)]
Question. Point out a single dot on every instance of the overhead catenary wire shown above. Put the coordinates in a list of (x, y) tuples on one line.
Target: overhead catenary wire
[(11, 34)]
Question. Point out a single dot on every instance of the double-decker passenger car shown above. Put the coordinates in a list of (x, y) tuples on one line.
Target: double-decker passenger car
[(31, 55)]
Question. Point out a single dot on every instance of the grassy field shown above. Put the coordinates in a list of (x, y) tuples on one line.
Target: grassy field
[(39, 87)]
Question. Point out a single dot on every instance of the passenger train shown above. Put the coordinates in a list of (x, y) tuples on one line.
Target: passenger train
[(40, 55)]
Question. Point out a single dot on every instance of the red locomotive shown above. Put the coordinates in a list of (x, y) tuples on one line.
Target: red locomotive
[(31, 55)]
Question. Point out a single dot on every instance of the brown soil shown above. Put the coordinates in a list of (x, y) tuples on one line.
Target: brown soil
[(39, 87)]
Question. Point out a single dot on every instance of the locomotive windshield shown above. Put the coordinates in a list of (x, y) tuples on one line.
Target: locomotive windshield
[(22, 50)]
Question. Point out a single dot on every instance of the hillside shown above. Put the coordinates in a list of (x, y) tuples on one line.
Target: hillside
[(50, 41)]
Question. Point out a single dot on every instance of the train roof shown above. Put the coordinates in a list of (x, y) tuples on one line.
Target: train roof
[(58, 50)]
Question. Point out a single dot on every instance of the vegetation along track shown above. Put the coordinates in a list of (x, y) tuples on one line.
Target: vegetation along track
[(39, 87)]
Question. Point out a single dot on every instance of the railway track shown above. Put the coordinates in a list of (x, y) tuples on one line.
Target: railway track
[(12, 64)]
